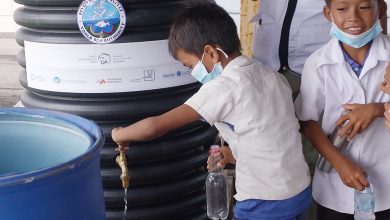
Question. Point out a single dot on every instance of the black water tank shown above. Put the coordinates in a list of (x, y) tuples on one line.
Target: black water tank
[(167, 174)]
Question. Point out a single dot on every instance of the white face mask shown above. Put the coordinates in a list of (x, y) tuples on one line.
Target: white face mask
[(356, 41), (200, 73)]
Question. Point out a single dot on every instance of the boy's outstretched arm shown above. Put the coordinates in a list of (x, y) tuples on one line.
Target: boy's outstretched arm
[(154, 127), (360, 117), (350, 173)]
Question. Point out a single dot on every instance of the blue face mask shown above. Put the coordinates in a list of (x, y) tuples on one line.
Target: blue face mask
[(200, 73), (356, 41)]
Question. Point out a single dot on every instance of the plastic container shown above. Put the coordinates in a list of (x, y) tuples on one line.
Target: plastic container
[(216, 188), (365, 203), (49, 166)]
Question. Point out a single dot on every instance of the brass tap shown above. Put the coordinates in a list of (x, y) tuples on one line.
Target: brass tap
[(122, 163)]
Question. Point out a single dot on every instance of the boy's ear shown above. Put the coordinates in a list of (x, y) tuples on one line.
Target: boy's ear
[(211, 52), (383, 15), (326, 12)]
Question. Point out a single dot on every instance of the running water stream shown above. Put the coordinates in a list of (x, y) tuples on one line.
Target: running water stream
[(125, 200)]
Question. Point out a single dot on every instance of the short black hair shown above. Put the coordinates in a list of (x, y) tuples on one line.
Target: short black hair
[(201, 24)]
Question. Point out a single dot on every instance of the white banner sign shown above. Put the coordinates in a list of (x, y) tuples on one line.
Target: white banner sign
[(109, 68)]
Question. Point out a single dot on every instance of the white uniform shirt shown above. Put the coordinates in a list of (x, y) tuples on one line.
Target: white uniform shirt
[(308, 32), (327, 83), (266, 143)]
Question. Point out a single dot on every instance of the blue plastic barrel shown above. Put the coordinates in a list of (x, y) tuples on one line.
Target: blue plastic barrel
[(49, 166)]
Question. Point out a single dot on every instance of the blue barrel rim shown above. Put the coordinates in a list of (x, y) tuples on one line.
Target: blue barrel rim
[(89, 127)]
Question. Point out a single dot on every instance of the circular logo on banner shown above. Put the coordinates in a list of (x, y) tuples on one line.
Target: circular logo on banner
[(101, 21)]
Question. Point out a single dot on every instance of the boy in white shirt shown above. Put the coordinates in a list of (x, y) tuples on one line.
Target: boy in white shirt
[(346, 74), (250, 105)]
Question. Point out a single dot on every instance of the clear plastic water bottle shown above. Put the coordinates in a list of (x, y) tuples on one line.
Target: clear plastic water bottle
[(216, 188), (365, 203), (340, 142)]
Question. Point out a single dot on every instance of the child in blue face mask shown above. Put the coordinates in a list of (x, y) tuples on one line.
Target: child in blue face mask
[(249, 104), (345, 74)]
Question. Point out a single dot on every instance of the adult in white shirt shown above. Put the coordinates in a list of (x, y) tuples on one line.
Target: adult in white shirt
[(308, 32)]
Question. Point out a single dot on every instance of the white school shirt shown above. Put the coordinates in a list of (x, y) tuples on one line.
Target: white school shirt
[(308, 32), (327, 83), (252, 108)]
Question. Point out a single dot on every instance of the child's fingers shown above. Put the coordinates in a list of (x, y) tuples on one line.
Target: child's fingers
[(363, 180), (209, 160), (341, 120), (360, 180), (221, 164), (346, 129), (358, 185), (116, 129), (355, 130), (227, 155)]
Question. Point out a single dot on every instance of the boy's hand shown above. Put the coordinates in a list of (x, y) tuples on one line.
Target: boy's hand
[(385, 86), (360, 117), (226, 157), (116, 137), (387, 115), (351, 174)]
